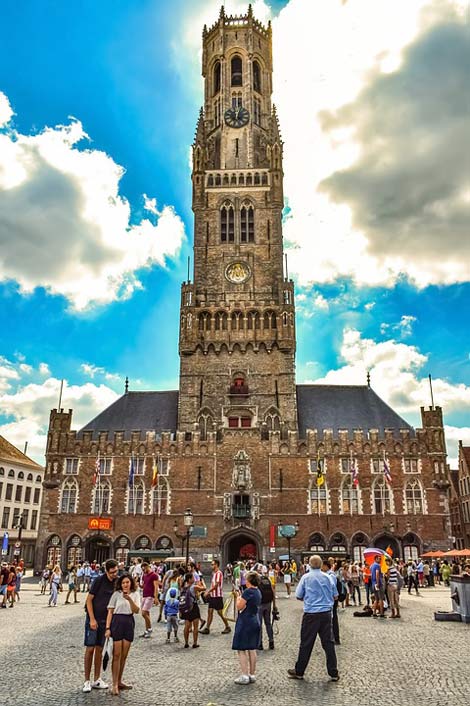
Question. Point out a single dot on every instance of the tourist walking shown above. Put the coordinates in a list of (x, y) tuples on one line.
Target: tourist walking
[(394, 583), (355, 583), (55, 584), (95, 623), (120, 625), (45, 579), (340, 591), (268, 604), (246, 637), (86, 577), (189, 609), (73, 585), (378, 587), (412, 572), (215, 599), (286, 572), (317, 592), (19, 576), (150, 586)]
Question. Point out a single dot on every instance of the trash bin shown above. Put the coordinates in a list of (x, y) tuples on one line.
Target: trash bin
[(460, 594)]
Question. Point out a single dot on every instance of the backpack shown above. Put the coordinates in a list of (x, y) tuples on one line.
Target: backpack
[(341, 590), (187, 602), (266, 589)]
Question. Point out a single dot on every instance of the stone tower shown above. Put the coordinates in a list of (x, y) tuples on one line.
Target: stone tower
[(237, 328)]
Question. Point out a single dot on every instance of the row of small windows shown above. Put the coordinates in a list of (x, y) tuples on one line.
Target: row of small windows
[(72, 466), (28, 523), (465, 485), (19, 497), (250, 179), (253, 321), (236, 74), (409, 465), (20, 475), (135, 500), (246, 223), (382, 499)]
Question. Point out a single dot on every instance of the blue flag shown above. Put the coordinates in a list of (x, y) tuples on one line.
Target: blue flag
[(131, 473)]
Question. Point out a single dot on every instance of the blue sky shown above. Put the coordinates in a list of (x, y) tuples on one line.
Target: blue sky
[(127, 75)]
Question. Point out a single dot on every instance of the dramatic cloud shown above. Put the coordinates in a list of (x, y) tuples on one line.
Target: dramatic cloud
[(25, 405), (397, 375), (374, 114), (58, 199)]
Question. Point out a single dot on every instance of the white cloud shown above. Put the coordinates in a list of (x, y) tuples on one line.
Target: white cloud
[(6, 112), (350, 215), (44, 369), (27, 407), (92, 370), (397, 376), (55, 197), (453, 436)]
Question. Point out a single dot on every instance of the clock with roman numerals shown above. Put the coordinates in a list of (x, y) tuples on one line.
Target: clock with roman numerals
[(236, 117)]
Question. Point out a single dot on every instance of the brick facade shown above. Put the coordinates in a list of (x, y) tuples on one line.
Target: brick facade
[(238, 454)]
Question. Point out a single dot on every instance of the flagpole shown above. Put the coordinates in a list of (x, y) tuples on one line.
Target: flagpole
[(352, 485), (384, 488)]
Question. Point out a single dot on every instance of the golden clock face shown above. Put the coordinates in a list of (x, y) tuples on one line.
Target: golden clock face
[(237, 272)]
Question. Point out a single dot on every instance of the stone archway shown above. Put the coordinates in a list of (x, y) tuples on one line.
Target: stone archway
[(383, 541), (98, 549), (240, 543)]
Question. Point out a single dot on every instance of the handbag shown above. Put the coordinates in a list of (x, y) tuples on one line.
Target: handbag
[(107, 652)]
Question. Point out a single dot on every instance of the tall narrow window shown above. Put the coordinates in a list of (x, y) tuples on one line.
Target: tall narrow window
[(216, 77), (414, 498), (101, 499), (247, 223), (236, 66), (68, 503), (227, 223), (256, 77), (257, 111), (237, 100)]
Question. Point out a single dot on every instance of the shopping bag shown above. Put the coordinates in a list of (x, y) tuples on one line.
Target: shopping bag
[(107, 652)]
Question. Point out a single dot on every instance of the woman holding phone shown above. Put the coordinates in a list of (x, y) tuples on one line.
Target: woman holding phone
[(120, 625), (247, 629)]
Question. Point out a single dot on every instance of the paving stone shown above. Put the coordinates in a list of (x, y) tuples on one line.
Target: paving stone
[(406, 659)]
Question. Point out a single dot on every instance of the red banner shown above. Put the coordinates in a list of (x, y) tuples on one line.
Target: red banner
[(272, 536), (100, 523)]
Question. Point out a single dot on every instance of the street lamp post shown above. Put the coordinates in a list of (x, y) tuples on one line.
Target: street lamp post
[(288, 532), (180, 535), (19, 527), (189, 524)]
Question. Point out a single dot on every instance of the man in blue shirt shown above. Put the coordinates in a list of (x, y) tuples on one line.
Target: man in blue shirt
[(377, 582), (318, 593)]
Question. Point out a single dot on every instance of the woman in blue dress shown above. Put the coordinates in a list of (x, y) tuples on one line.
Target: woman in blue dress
[(247, 628)]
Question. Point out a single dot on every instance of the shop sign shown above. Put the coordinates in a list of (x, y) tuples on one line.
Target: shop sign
[(100, 523)]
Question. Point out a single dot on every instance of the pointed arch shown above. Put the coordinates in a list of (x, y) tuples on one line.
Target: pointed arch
[(272, 418), (227, 222), (349, 497), (216, 74), (206, 422), (382, 498), (101, 497), (247, 222), (135, 498), (256, 76), (413, 496), (236, 68), (69, 496), (159, 499)]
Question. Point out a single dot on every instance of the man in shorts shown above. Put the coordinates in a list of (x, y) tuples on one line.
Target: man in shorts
[(96, 608), (215, 595), (151, 584)]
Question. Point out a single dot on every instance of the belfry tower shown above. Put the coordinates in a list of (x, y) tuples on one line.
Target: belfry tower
[(237, 326)]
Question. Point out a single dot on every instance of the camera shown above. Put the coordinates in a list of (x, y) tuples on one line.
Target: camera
[(276, 615)]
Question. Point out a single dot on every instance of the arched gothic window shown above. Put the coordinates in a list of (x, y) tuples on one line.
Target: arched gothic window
[(349, 497), (221, 321), (135, 498), (318, 498), (247, 223), (237, 321), (253, 321), (382, 498), (237, 73), (227, 223), (204, 321), (216, 77), (160, 497), (68, 500), (414, 498), (101, 498), (206, 423), (269, 320), (273, 423), (256, 77)]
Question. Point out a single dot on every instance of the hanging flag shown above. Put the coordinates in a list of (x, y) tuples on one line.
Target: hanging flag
[(97, 470), (389, 550), (387, 474), (155, 474), (355, 473), (131, 473), (320, 474)]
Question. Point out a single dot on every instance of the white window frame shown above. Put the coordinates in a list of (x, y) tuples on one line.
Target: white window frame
[(379, 462), (98, 493), (139, 465), (106, 466), (411, 466), (69, 484), (74, 462)]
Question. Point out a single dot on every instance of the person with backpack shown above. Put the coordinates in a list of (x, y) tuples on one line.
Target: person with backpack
[(268, 602), (172, 605), (327, 567), (189, 609)]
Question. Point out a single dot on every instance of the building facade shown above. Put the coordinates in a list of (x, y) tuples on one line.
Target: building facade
[(239, 442), (21, 490), (460, 499)]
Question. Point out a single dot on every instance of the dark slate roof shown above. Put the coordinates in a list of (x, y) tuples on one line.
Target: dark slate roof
[(145, 411), (344, 407)]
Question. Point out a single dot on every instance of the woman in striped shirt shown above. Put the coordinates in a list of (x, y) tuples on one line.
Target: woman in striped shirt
[(393, 590)]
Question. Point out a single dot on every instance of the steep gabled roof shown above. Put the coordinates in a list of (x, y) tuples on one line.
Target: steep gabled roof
[(145, 411), (344, 407), (8, 452)]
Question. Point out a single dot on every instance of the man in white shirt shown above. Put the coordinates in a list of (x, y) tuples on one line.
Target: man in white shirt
[(215, 594)]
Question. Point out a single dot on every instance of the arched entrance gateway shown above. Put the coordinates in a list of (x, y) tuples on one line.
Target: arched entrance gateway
[(98, 549), (384, 541), (240, 543)]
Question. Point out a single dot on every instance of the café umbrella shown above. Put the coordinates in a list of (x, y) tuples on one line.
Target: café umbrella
[(371, 552)]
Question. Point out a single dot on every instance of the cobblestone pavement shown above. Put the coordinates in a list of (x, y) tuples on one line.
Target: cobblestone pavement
[(41, 653)]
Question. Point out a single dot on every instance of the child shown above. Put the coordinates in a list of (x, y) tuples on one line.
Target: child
[(172, 606)]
